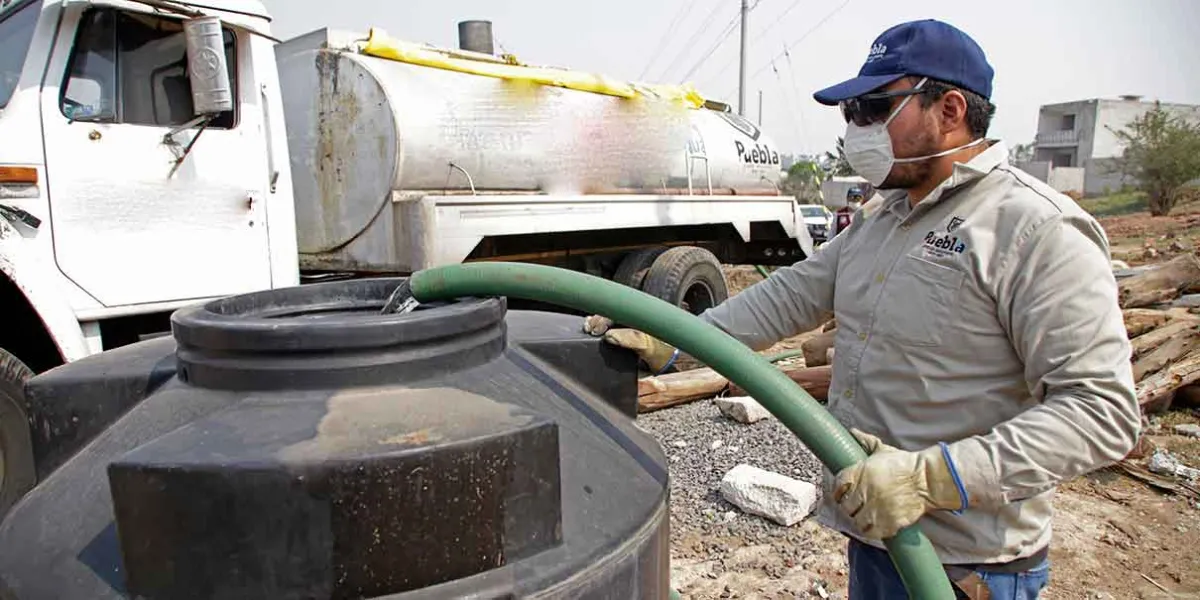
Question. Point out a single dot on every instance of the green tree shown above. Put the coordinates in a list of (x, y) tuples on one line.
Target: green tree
[(803, 180), (1020, 153), (1162, 153), (836, 164)]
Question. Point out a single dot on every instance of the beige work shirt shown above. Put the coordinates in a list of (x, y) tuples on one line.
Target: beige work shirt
[(985, 317)]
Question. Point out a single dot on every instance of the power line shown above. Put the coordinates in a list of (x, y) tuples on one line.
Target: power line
[(703, 27), (806, 34), (725, 66), (662, 43), (786, 100), (729, 27), (796, 91), (779, 19)]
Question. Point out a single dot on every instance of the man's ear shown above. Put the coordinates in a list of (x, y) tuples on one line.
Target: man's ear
[(954, 111)]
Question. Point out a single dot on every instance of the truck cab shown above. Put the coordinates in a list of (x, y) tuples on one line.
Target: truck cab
[(117, 204)]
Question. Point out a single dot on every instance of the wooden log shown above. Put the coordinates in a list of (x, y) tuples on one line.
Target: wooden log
[(1181, 312), (1156, 391), (664, 391), (814, 380), (817, 347), (1146, 342), (676, 388), (1160, 285), (1142, 320), (1166, 353)]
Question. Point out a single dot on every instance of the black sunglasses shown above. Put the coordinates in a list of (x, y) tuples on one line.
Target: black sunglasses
[(873, 107)]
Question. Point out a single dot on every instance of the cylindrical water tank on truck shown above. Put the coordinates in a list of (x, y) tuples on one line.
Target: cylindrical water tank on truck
[(362, 126)]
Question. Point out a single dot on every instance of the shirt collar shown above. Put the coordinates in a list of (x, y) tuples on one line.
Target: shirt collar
[(983, 163)]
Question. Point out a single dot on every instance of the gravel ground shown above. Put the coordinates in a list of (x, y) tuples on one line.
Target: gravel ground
[(703, 445), (717, 551)]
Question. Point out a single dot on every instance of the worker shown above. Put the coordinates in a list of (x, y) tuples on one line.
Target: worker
[(981, 358), (843, 216)]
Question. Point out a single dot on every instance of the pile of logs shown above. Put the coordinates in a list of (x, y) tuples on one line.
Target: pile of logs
[(1164, 330), (1160, 306)]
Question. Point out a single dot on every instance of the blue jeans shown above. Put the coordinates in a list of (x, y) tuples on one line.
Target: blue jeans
[(873, 577)]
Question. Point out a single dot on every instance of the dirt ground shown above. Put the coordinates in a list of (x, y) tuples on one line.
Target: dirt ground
[(1139, 238), (1114, 537)]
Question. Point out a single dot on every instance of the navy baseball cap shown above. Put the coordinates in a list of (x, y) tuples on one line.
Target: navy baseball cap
[(926, 48)]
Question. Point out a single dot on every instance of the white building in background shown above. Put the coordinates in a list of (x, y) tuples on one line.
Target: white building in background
[(1075, 144)]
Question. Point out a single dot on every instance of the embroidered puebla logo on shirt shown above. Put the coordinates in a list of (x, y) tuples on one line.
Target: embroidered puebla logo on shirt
[(939, 244)]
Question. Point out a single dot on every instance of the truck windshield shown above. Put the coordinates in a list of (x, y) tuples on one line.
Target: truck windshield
[(16, 32), (812, 211)]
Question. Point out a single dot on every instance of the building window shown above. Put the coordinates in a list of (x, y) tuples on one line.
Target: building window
[(1062, 159), (1068, 123), (132, 68)]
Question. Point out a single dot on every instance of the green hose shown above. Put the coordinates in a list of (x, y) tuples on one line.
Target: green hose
[(910, 551)]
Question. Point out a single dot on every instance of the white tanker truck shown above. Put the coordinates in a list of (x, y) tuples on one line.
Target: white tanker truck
[(155, 154)]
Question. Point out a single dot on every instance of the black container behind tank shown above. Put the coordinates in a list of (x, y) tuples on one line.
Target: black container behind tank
[(309, 447)]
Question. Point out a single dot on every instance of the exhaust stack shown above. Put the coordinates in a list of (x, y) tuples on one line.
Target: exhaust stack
[(475, 36)]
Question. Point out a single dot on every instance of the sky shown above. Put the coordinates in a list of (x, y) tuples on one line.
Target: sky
[(1043, 51)]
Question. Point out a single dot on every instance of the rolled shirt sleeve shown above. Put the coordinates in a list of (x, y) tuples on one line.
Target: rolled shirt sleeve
[(1057, 299)]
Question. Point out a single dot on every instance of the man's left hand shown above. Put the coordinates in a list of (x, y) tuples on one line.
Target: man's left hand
[(892, 488)]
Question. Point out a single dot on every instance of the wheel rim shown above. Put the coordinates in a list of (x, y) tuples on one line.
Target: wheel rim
[(698, 298)]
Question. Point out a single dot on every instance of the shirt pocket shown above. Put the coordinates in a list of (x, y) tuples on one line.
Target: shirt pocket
[(920, 302)]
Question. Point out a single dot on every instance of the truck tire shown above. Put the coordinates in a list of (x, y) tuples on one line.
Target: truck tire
[(16, 449), (688, 277), (632, 270)]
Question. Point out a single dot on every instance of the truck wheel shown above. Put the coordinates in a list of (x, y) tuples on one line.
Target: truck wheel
[(16, 450), (688, 277), (632, 270)]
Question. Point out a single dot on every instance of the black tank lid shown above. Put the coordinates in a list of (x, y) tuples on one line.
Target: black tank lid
[(331, 334)]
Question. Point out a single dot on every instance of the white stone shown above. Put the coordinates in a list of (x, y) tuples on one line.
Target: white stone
[(777, 497), (1164, 463), (716, 444), (742, 409), (679, 444), (1188, 429)]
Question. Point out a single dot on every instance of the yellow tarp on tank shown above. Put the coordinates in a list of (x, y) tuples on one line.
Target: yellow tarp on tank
[(382, 46)]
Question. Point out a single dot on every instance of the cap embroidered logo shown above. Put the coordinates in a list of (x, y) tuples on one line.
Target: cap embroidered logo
[(876, 53)]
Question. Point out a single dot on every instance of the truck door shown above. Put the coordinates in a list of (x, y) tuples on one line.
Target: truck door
[(131, 223)]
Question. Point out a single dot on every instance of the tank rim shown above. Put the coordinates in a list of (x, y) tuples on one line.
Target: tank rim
[(341, 315)]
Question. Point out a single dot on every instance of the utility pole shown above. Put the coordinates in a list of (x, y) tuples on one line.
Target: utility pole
[(760, 108), (742, 65)]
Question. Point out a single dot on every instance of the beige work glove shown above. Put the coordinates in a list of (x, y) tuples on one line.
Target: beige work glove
[(656, 354), (892, 488)]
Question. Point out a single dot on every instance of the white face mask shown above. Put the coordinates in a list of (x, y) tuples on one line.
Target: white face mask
[(869, 149)]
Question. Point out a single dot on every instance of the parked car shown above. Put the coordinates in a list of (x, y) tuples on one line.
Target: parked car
[(819, 220)]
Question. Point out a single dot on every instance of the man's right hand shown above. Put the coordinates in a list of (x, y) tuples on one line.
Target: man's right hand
[(656, 354)]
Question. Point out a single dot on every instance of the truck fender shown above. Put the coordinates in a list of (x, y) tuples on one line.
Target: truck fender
[(40, 291)]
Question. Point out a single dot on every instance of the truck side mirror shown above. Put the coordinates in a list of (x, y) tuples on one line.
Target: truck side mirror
[(209, 75)]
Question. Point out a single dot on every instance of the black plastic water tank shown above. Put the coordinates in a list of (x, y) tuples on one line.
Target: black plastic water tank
[(309, 447)]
